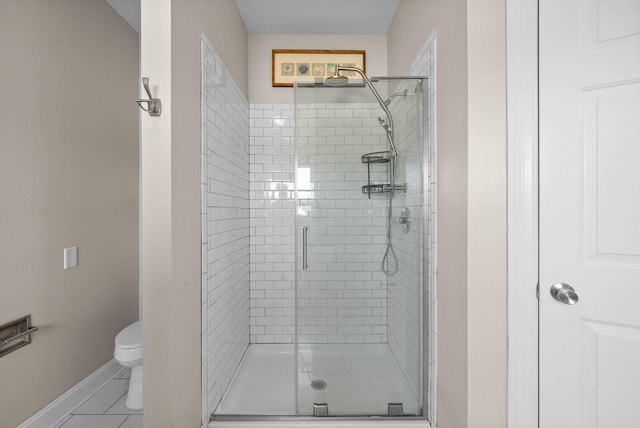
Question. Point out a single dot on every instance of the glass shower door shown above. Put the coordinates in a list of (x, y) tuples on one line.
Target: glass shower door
[(345, 364)]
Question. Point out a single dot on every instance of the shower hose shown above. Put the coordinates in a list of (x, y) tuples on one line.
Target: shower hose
[(390, 260)]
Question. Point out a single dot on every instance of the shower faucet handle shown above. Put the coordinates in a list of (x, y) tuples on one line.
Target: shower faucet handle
[(405, 220)]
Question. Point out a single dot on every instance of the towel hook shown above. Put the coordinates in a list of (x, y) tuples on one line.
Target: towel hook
[(154, 105)]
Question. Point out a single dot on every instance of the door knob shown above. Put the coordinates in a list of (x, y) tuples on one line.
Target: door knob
[(564, 293)]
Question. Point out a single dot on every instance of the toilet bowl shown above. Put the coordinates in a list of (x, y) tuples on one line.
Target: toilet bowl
[(128, 352)]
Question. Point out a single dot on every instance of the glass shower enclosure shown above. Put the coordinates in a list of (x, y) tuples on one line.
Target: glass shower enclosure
[(359, 296)]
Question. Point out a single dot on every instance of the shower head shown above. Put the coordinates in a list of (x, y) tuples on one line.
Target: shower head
[(337, 79)]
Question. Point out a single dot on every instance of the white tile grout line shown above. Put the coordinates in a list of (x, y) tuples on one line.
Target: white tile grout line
[(106, 412)]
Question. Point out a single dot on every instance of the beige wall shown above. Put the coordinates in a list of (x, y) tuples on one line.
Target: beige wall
[(161, 317), (487, 221), (261, 45), (415, 20), (221, 22), (471, 140), (68, 177), (171, 197)]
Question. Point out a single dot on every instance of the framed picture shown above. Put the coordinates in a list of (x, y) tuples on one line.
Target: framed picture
[(298, 65)]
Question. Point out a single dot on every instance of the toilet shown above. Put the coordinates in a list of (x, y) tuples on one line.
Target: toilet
[(128, 352)]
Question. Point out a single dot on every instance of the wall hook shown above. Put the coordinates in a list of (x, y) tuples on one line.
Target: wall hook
[(154, 105)]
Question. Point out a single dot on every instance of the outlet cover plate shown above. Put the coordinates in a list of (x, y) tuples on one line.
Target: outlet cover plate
[(70, 257)]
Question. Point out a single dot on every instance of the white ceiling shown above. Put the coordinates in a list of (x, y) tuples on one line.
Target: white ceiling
[(317, 16), (298, 16)]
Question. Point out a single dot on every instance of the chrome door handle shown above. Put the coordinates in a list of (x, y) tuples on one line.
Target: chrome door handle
[(305, 232), (564, 293)]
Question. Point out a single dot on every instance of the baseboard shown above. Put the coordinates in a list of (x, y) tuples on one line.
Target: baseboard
[(58, 409)]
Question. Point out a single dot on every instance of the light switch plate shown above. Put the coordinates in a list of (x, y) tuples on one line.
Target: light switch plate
[(70, 257)]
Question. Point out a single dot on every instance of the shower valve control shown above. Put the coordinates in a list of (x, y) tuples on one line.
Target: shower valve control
[(405, 220)]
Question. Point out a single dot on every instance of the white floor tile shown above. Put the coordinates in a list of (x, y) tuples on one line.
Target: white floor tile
[(62, 422), (95, 421), (102, 400), (133, 421), (119, 408)]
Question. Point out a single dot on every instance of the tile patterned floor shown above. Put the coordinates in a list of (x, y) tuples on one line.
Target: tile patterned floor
[(105, 408)]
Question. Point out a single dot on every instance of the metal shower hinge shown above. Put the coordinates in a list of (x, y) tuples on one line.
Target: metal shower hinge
[(320, 409), (395, 409)]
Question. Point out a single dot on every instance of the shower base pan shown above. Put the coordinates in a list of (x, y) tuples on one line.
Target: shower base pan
[(359, 380)]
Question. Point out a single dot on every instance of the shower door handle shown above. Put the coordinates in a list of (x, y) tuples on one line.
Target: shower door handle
[(305, 232)]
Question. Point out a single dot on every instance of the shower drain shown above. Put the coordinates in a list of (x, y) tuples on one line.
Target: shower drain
[(318, 384)]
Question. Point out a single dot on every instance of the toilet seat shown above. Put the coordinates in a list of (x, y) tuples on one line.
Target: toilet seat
[(129, 343)]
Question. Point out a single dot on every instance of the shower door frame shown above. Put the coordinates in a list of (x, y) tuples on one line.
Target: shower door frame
[(428, 141)]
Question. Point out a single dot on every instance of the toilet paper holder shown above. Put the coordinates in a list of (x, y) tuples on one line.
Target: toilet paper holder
[(15, 335)]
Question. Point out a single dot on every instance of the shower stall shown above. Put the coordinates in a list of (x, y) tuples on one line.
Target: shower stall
[(361, 344)]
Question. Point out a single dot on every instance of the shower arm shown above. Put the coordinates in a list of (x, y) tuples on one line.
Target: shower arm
[(390, 129)]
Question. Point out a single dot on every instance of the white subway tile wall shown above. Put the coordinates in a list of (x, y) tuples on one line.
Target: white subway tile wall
[(272, 219), (225, 227), (342, 296)]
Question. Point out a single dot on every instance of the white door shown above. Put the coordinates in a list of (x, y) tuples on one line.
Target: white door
[(590, 213)]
